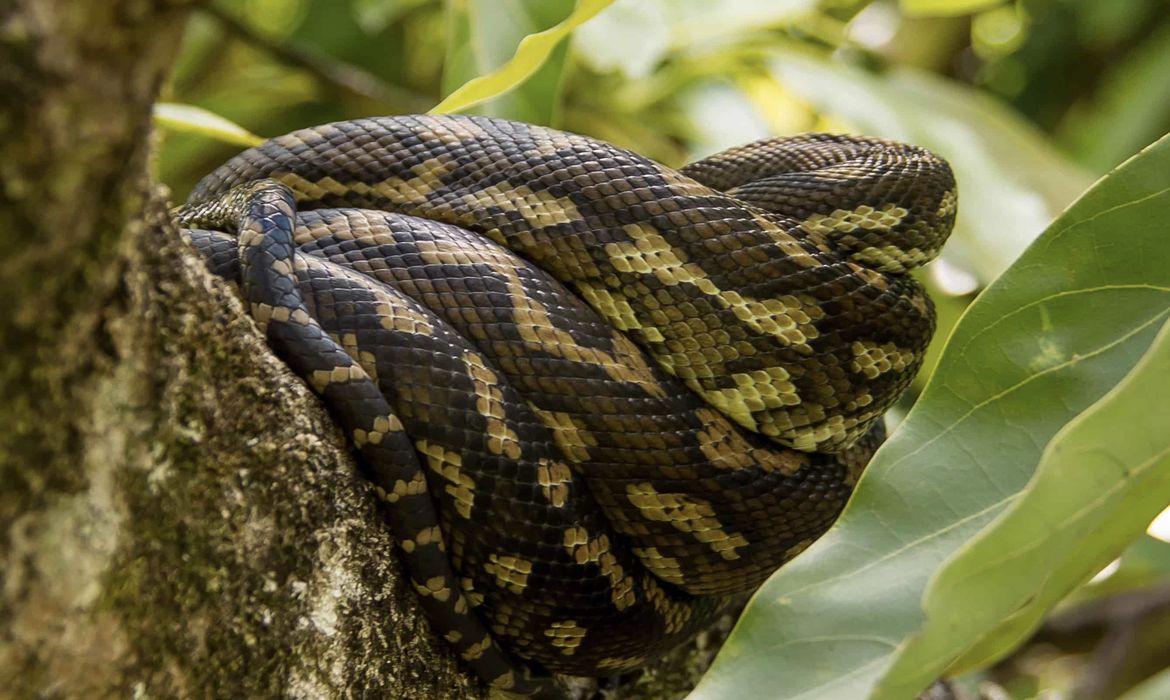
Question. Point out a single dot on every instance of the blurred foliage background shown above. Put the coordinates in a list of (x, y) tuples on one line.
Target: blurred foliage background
[(1030, 100)]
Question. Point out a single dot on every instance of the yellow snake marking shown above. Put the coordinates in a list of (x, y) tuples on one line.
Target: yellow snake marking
[(453, 636), (415, 487), (887, 258), (322, 378), (947, 205), (309, 232), (283, 267), (621, 663), (726, 447), (536, 327), (758, 391), (430, 535), (489, 403), (428, 177), (571, 437), (470, 593), (447, 131), (882, 219), (554, 478), (448, 464), (816, 427), (686, 514), (381, 427), (674, 613), (565, 635), (548, 144), (598, 550), (435, 587), (666, 568), (509, 571), (617, 311), (789, 319), (787, 243), (250, 235), (538, 208), (872, 359), (266, 313), (349, 343), (397, 317), (477, 650), (833, 428)]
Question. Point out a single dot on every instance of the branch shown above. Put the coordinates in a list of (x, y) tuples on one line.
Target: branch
[(332, 72)]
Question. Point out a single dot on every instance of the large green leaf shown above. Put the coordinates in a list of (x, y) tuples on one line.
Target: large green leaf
[(1100, 482), (1011, 181), (481, 32), (1047, 340)]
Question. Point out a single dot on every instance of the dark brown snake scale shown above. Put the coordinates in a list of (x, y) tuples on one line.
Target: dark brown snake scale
[(601, 398)]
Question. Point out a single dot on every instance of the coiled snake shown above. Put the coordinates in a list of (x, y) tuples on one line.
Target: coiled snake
[(602, 397)]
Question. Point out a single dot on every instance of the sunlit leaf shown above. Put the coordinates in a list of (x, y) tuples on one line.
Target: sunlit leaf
[(942, 8), (1156, 687), (1012, 182), (530, 54), (1052, 336), (195, 120), (483, 34)]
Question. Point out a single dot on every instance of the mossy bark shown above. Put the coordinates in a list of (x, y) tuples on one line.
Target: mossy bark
[(178, 515)]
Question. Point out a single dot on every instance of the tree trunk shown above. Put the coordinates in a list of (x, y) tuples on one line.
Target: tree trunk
[(178, 515)]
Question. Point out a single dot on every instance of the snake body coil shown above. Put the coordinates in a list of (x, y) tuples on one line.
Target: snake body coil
[(602, 397)]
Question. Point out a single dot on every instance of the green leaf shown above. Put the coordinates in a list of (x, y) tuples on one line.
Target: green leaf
[(945, 8), (1157, 687), (1100, 482), (530, 54), (1054, 334), (195, 120), (482, 35), (1012, 182)]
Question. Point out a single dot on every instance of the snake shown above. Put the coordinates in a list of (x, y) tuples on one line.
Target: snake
[(600, 399)]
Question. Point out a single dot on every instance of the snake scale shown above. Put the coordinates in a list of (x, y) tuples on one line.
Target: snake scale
[(602, 398)]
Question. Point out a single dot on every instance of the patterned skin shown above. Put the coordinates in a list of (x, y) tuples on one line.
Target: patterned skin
[(603, 398)]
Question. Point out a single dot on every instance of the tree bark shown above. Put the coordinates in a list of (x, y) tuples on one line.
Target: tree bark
[(178, 515), (180, 518)]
